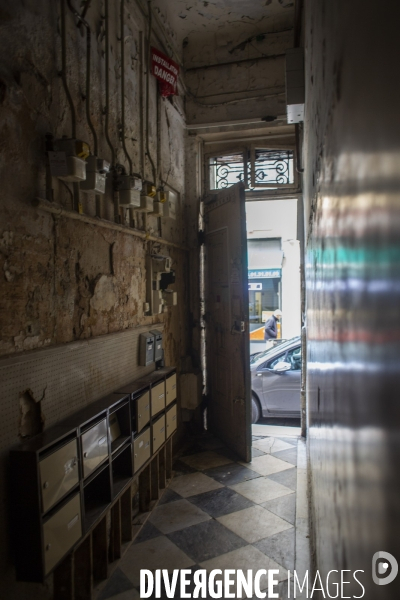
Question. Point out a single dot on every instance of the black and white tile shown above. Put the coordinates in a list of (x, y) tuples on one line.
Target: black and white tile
[(218, 513)]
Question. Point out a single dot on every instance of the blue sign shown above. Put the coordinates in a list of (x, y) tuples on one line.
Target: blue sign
[(265, 273)]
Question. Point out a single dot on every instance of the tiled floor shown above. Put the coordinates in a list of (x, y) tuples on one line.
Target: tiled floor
[(219, 513)]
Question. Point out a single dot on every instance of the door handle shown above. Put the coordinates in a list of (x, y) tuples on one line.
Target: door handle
[(259, 374)]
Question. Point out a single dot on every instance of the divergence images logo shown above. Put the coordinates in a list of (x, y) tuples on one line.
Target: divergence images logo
[(384, 568)]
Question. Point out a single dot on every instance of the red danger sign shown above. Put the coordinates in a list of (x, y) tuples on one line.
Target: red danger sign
[(166, 71)]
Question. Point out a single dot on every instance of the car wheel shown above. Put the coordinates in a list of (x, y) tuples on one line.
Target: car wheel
[(255, 410)]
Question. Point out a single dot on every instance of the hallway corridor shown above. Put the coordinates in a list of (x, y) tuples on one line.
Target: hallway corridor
[(218, 513)]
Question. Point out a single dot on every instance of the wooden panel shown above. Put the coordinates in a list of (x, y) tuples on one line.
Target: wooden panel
[(226, 304), (83, 582), (168, 458), (100, 551), (144, 489), (63, 579), (126, 515), (115, 534), (155, 493), (161, 469)]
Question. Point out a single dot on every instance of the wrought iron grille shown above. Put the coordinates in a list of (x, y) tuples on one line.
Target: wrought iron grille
[(268, 168), (227, 170), (272, 167)]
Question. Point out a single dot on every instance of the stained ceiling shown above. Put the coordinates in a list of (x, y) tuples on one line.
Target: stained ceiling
[(205, 18)]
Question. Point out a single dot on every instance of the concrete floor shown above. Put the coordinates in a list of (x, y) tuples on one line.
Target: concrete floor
[(220, 513)]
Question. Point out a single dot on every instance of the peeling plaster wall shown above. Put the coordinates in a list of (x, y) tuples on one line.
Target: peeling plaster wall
[(352, 162), (62, 280)]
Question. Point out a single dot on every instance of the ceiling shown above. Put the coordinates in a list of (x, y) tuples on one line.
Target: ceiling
[(205, 18)]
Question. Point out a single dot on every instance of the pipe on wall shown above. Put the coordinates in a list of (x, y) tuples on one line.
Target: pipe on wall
[(123, 137), (82, 21), (107, 109), (64, 70), (153, 167)]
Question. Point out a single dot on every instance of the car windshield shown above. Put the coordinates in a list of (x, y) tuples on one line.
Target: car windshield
[(265, 354)]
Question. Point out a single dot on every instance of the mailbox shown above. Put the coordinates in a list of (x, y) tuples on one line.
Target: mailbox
[(146, 349), (158, 340)]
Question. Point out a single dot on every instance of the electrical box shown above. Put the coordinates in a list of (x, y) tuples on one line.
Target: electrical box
[(149, 189), (146, 349), (129, 188), (96, 173), (146, 204), (158, 209), (295, 85), (67, 161), (158, 340), (170, 298), (158, 302), (170, 205)]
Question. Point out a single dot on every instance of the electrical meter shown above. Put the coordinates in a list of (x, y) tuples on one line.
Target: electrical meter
[(146, 204), (67, 161), (170, 205), (159, 203), (149, 189), (129, 188), (170, 298), (96, 173)]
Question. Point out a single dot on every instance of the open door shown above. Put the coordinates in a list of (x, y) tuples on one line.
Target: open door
[(227, 320)]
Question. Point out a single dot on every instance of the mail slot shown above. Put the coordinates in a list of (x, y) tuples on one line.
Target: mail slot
[(141, 449), (170, 418), (58, 474), (61, 532), (157, 398), (170, 386), (94, 447), (158, 429), (142, 410)]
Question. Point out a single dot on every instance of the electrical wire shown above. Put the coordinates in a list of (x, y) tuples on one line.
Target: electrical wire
[(64, 70), (107, 82), (82, 21), (128, 158), (148, 94)]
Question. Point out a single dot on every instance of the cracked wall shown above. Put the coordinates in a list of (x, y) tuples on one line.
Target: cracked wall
[(63, 280)]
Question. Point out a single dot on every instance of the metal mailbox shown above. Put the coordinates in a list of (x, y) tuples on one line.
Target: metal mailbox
[(141, 449), (158, 341), (142, 408), (158, 431), (170, 418), (94, 447), (170, 387), (59, 473), (61, 532), (146, 349), (157, 398)]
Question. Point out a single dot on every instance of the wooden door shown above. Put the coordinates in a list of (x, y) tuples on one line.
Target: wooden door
[(227, 320)]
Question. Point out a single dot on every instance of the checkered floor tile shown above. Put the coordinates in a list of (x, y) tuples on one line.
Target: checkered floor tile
[(217, 513)]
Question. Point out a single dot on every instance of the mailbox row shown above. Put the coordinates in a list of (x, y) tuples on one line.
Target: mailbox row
[(65, 478)]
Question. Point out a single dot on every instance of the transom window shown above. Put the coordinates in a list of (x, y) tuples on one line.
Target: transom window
[(258, 169)]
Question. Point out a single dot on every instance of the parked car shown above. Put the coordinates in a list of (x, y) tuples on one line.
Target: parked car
[(276, 381)]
